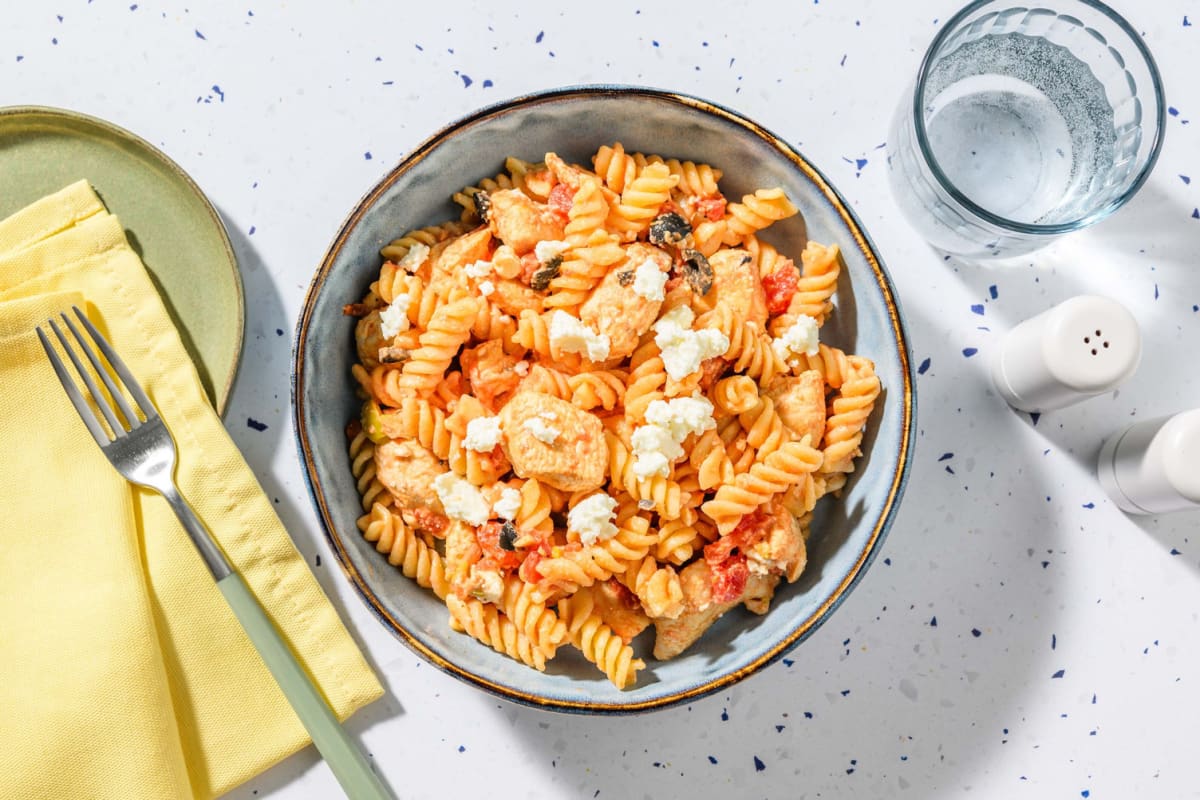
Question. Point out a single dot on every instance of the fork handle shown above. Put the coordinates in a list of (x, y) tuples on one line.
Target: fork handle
[(342, 755)]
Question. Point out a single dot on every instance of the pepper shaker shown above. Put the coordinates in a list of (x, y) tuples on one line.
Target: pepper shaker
[(1153, 467), (1082, 347)]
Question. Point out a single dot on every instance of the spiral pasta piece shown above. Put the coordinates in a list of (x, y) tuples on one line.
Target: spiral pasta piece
[(535, 510), (597, 641), (395, 251), (404, 549), (466, 197), (698, 180), (616, 167), (677, 541), (832, 363), (540, 624), (417, 418), (850, 409), (711, 462), (757, 211), (448, 330), (734, 395), (548, 380), (765, 431), (647, 381), (600, 389), (581, 269), (484, 622), (793, 463), (657, 588), (588, 211), (750, 347), (362, 467), (641, 200), (815, 288)]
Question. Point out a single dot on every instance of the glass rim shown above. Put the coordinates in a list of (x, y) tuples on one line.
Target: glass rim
[(1025, 227)]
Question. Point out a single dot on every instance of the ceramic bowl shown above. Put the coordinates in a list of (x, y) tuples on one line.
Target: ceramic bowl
[(848, 531)]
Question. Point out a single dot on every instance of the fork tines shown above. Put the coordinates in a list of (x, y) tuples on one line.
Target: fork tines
[(121, 419)]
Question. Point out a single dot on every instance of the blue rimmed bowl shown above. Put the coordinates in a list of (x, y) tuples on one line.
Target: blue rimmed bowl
[(848, 531)]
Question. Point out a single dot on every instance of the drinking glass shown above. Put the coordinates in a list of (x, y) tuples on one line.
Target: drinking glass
[(1025, 123)]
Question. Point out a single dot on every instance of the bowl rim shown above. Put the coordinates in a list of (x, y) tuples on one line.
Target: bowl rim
[(807, 626)]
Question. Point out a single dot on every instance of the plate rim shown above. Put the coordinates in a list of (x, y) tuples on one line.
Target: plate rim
[(900, 474), (223, 390)]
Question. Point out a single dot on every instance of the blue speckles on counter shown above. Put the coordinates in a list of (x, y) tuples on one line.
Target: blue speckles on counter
[(976, 632), (1186, 180), (1053, 641), (977, 308), (200, 35), (759, 766), (712, 759), (946, 456), (1088, 505), (367, 156), (969, 351), (466, 79), (1059, 673), (251, 422), (933, 622), (921, 370)]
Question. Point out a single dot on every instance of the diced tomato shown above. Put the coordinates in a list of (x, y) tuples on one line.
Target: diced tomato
[(528, 570), (713, 208), (353, 428), (430, 521), (781, 285), (488, 536), (673, 281), (729, 579), (749, 532), (560, 199)]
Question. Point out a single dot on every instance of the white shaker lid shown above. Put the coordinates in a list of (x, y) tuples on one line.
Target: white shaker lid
[(1081, 347)]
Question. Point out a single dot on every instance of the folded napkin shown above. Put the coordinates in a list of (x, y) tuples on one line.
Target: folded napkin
[(123, 673)]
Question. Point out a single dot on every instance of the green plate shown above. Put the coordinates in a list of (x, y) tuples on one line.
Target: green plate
[(168, 220)]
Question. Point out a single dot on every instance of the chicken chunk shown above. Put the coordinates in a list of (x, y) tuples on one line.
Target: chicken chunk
[(620, 609), (781, 548), (512, 297), (407, 470), (368, 338), (673, 636), (800, 403), (490, 372), (466, 249), (553, 441), (737, 286), (615, 309), (521, 222)]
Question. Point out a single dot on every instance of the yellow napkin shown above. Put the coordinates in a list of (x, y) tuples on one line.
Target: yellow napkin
[(123, 674)]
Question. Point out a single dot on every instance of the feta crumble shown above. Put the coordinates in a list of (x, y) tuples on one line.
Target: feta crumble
[(649, 280), (460, 499), (668, 422), (801, 337), (546, 251), (541, 429), (483, 434), (486, 288), (414, 258), (570, 335), (480, 269), (683, 349), (592, 518), (509, 503), (521, 368), (394, 318)]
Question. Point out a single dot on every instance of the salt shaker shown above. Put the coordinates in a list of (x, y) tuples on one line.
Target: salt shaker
[(1153, 467), (1080, 348)]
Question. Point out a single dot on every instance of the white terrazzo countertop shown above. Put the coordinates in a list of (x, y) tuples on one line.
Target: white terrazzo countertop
[(1018, 637)]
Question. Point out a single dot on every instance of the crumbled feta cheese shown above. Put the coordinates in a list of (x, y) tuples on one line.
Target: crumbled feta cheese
[(546, 251), (683, 349), (460, 499), (682, 415), (521, 368), (414, 258), (592, 518), (509, 503), (660, 441), (480, 269), (486, 288), (801, 337), (394, 318), (649, 280), (483, 434), (570, 335), (541, 429)]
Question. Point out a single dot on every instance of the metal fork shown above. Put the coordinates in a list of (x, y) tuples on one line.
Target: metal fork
[(140, 447)]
